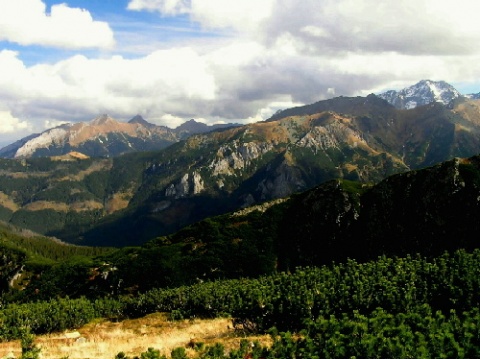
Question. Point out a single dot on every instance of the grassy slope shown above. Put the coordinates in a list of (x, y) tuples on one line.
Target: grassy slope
[(105, 339)]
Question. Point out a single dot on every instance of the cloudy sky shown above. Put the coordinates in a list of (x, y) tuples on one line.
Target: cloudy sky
[(220, 60)]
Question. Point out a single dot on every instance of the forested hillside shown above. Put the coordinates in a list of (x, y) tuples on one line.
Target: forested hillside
[(345, 269), (418, 212)]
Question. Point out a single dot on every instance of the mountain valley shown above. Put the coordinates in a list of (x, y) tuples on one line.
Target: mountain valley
[(129, 199)]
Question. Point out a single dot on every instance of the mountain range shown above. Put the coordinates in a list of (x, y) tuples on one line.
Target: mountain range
[(104, 137), (346, 227), (137, 196)]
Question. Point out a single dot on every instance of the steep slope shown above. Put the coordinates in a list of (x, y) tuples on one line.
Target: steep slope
[(211, 174), (205, 175), (427, 211), (263, 161), (421, 136)]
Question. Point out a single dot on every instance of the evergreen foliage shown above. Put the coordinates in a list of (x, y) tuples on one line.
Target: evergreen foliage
[(391, 307)]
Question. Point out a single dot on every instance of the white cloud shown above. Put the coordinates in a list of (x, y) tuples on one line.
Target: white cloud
[(273, 54), (241, 82), (169, 120), (243, 16), (167, 81), (11, 124), (26, 22), (410, 27), (331, 27), (166, 7)]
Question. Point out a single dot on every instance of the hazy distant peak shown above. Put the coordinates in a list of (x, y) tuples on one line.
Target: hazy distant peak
[(191, 125), (140, 120)]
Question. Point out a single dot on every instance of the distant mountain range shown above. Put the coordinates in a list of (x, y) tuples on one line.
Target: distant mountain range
[(104, 137), (136, 196)]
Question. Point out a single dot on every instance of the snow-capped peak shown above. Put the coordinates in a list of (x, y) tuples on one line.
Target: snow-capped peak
[(422, 93)]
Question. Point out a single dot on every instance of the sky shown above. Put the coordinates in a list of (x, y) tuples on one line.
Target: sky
[(220, 61)]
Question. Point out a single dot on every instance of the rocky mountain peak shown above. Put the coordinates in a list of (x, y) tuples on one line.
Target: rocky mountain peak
[(140, 120), (104, 136), (192, 126), (422, 93), (102, 120)]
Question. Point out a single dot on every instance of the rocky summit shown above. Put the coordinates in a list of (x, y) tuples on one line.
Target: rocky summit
[(420, 94)]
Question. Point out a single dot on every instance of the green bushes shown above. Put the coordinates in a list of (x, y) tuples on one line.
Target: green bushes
[(392, 307), (29, 349), (53, 316), (423, 334), (284, 300)]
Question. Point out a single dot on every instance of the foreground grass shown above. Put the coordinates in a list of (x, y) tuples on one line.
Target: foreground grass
[(103, 339)]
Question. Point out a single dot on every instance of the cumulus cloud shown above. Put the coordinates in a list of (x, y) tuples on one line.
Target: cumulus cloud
[(408, 27), (27, 22), (330, 27), (273, 54), (10, 124), (243, 15), (241, 82), (166, 81)]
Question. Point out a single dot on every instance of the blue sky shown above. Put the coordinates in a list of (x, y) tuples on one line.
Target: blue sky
[(220, 60)]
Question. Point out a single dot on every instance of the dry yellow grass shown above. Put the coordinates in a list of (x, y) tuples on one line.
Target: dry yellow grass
[(71, 156), (104, 339), (8, 202), (100, 165), (118, 201), (63, 207)]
